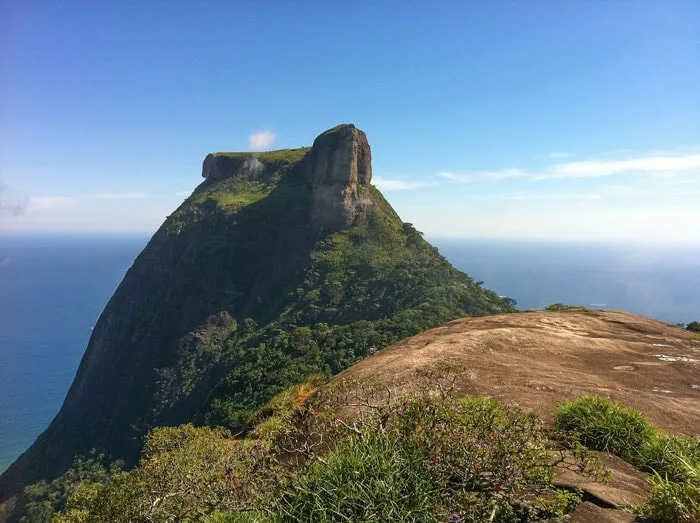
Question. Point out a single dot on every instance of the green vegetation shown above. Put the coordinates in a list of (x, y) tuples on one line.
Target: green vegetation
[(602, 424), (244, 291), (46, 499), (424, 458), (693, 326), (233, 193), (376, 478), (676, 501), (240, 295), (419, 459), (280, 155), (363, 289), (673, 461), (564, 307)]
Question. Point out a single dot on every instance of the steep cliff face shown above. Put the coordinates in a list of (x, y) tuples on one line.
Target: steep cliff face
[(279, 265), (339, 163)]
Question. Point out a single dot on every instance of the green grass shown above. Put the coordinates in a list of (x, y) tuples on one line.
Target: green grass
[(288, 155), (374, 479), (564, 307), (232, 193), (676, 501), (603, 424), (673, 461)]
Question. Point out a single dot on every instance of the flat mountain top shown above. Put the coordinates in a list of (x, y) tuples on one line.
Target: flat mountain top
[(538, 359)]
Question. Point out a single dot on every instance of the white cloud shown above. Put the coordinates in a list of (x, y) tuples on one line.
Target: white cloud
[(551, 196), (261, 140), (503, 174), (396, 185), (49, 203), (662, 166), (558, 155), (119, 195), (677, 169)]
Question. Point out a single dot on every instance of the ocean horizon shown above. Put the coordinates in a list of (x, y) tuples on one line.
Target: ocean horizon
[(54, 287)]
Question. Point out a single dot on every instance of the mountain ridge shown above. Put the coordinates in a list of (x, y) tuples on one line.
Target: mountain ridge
[(279, 265)]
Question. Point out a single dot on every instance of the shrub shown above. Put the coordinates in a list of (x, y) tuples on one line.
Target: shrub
[(375, 478), (603, 424), (489, 461), (564, 307), (184, 473), (661, 454), (693, 326), (676, 501)]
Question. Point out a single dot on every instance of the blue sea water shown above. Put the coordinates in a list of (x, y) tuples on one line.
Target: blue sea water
[(53, 288)]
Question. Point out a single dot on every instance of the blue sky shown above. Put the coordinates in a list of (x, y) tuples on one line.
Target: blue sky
[(533, 119)]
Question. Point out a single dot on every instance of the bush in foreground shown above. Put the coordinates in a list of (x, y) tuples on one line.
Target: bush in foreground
[(603, 424), (673, 461), (676, 501), (423, 459)]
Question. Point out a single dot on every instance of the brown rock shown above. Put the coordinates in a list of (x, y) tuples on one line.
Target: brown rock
[(337, 167), (340, 156), (538, 359), (627, 486), (587, 512)]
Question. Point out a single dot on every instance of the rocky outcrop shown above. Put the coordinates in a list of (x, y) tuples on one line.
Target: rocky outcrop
[(340, 156), (339, 167), (538, 359), (217, 166)]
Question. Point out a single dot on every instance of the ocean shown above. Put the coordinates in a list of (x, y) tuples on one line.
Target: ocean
[(53, 288)]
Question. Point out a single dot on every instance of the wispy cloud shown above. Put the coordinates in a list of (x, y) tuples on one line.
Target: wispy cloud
[(261, 140), (119, 195), (552, 196), (554, 155), (504, 174), (49, 203), (663, 166), (558, 155), (677, 169), (386, 184)]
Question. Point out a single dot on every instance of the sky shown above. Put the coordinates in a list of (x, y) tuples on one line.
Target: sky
[(539, 119)]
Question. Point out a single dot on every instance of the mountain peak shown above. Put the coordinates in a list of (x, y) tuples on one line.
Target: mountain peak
[(340, 155), (338, 167)]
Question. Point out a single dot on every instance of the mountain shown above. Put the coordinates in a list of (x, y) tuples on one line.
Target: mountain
[(280, 265), (539, 359)]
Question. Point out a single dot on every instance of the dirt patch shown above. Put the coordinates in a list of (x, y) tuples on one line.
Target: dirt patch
[(538, 359)]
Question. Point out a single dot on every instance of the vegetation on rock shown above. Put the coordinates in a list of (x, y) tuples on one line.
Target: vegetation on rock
[(673, 461)]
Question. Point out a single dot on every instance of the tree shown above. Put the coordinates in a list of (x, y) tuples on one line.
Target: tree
[(693, 326)]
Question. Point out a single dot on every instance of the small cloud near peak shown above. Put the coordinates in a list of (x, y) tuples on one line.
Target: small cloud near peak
[(261, 140)]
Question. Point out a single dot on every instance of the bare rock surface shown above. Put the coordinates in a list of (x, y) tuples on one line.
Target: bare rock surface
[(537, 359), (627, 486), (588, 512), (338, 166)]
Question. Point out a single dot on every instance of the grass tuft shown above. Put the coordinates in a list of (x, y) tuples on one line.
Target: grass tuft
[(603, 424)]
